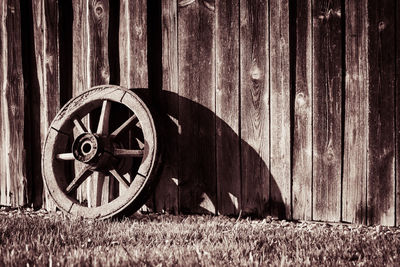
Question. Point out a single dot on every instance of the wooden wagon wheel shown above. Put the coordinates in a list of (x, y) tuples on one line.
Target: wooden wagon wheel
[(79, 138)]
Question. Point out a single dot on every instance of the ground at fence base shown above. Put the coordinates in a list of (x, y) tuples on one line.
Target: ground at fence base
[(44, 238)]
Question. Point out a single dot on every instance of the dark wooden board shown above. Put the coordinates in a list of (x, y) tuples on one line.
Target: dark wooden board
[(254, 106), (167, 193), (13, 104), (197, 176), (80, 76), (381, 124), (133, 53), (327, 110), (356, 107), (133, 44), (280, 118), (302, 132), (98, 73), (227, 107), (45, 28), (3, 65), (397, 90)]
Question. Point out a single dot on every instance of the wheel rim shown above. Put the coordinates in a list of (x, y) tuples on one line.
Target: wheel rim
[(101, 152)]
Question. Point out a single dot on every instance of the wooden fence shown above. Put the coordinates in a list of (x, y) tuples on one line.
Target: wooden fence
[(288, 108)]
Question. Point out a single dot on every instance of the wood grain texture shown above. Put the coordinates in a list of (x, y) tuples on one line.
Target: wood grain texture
[(381, 125), (196, 59), (356, 107), (98, 73), (80, 81), (302, 132), (167, 193), (50, 92), (13, 104), (3, 84), (327, 108), (80, 78), (133, 44), (397, 90), (254, 106), (280, 153), (227, 107)]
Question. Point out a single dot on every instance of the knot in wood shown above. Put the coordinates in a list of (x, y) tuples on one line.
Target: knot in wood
[(300, 100), (255, 72), (98, 10), (381, 26)]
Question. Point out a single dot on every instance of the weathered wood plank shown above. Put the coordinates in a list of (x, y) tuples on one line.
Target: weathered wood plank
[(280, 157), (167, 194), (98, 73), (196, 61), (356, 106), (3, 84), (327, 108), (254, 106), (227, 107), (133, 44), (133, 59), (80, 78), (397, 90), (80, 81), (13, 104), (381, 124), (302, 132), (46, 41)]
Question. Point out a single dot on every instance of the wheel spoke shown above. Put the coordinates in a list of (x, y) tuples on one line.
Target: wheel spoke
[(125, 125), (135, 153), (65, 156), (121, 179), (81, 127), (102, 127), (79, 179)]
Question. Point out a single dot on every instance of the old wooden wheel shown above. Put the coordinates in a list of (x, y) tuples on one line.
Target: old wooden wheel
[(102, 143)]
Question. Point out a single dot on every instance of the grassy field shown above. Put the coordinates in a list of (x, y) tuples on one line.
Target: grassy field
[(40, 238)]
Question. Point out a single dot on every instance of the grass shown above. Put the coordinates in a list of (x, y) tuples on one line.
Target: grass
[(39, 238)]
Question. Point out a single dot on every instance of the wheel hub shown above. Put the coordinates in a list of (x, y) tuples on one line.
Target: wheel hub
[(86, 148), (94, 150)]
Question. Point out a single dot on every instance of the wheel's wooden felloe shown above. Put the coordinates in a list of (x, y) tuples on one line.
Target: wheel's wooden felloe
[(84, 134)]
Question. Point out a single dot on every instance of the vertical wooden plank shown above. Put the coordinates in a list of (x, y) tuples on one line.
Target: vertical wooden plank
[(80, 79), (356, 104), (196, 59), (45, 17), (167, 192), (50, 92), (3, 84), (12, 94), (397, 16), (280, 120), (327, 108), (98, 73), (302, 132), (133, 51), (133, 44), (227, 107), (381, 125), (254, 106)]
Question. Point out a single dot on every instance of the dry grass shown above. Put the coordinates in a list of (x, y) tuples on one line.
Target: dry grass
[(39, 238)]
